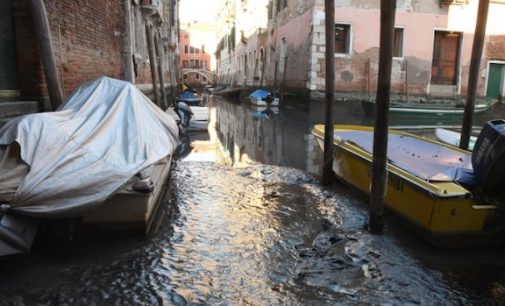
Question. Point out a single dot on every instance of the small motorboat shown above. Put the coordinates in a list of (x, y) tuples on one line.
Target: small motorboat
[(450, 197), (229, 91), (453, 137), (190, 97), (426, 109), (101, 159), (263, 97)]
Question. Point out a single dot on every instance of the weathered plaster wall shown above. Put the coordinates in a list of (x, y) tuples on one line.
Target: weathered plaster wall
[(296, 35), (357, 71)]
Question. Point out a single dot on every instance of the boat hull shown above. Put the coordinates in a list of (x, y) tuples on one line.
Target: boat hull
[(424, 114), (443, 213)]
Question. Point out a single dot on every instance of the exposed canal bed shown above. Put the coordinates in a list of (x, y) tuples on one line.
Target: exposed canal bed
[(262, 232)]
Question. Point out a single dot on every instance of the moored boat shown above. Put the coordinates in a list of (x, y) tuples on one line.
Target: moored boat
[(229, 91), (425, 109), (453, 137), (262, 97), (430, 186), (102, 158), (190, 97)]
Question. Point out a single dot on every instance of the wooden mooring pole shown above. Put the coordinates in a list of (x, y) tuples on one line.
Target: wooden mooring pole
[(43, 33), (160, 56), (473, 74), (329, 8), (152, 62), (380, 140)]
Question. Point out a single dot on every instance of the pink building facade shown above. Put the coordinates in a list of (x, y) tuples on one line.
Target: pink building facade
[(433, 43), (193, 61)]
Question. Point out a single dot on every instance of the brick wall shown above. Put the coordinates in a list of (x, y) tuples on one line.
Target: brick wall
[(86, 36), (87, 39), (495, 48)]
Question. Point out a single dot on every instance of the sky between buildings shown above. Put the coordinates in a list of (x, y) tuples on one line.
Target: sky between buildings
[(198, 17)]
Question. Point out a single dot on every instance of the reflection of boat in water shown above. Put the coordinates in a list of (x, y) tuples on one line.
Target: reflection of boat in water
[(262, 98), (453, 137), (102, 159), (190, 97), (430, 185)]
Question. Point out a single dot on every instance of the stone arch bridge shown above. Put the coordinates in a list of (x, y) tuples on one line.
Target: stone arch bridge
[(209, 75)]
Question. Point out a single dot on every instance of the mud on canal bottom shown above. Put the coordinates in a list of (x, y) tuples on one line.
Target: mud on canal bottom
[(260, 235)]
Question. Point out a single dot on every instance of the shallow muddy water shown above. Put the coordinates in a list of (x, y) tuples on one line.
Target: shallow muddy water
[(254, 234)]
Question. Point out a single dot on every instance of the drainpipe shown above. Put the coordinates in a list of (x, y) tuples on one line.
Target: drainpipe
[(329, 8), (43, 32), (380, 139), (473, 75)]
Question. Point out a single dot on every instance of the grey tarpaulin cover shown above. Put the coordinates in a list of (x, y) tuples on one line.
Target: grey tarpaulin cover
[(63, 163)]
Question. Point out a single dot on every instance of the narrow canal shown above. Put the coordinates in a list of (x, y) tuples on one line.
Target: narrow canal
[(249, 225)]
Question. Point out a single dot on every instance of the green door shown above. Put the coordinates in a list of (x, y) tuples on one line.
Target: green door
[(494, 81), (7, 49)]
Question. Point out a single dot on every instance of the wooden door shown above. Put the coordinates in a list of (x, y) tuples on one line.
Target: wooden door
[(7, 49), (444, 68)]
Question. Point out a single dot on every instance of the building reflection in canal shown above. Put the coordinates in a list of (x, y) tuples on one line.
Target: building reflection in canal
[(282, 136)]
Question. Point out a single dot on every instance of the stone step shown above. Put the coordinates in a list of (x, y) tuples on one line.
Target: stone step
[(17, 108)]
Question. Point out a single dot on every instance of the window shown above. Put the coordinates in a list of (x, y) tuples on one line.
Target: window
[(186, 36), (186, 49), (262, 54), (197, 51), (197, 76), (184, 64), (192, 50), (185, 76), (342, 38), (398, 43)]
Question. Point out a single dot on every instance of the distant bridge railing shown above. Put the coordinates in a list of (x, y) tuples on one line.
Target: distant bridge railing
[(209, 75)]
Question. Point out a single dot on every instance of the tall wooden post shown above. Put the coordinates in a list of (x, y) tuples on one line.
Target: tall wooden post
[(473, 74), (329, 8), (43, 32), (160, 56), (380, 140), (152, 62), (127, 52)]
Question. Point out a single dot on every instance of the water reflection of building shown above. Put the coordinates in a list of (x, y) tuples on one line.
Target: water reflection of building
[(432, 46), (246, 134)]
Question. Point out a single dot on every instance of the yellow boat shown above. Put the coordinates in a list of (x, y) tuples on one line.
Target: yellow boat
[(444, 211)]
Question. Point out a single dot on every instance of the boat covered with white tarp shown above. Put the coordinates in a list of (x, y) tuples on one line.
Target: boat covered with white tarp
[(66, 163)]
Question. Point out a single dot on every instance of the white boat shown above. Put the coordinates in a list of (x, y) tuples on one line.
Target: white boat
[(102, 158), (262, 97), (453, 137)]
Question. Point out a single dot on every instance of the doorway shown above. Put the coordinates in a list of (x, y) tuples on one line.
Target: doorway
[(446, 53), (495, 81)]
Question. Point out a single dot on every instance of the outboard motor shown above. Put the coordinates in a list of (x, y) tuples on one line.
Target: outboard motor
[(184, 112), (488, 158)]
